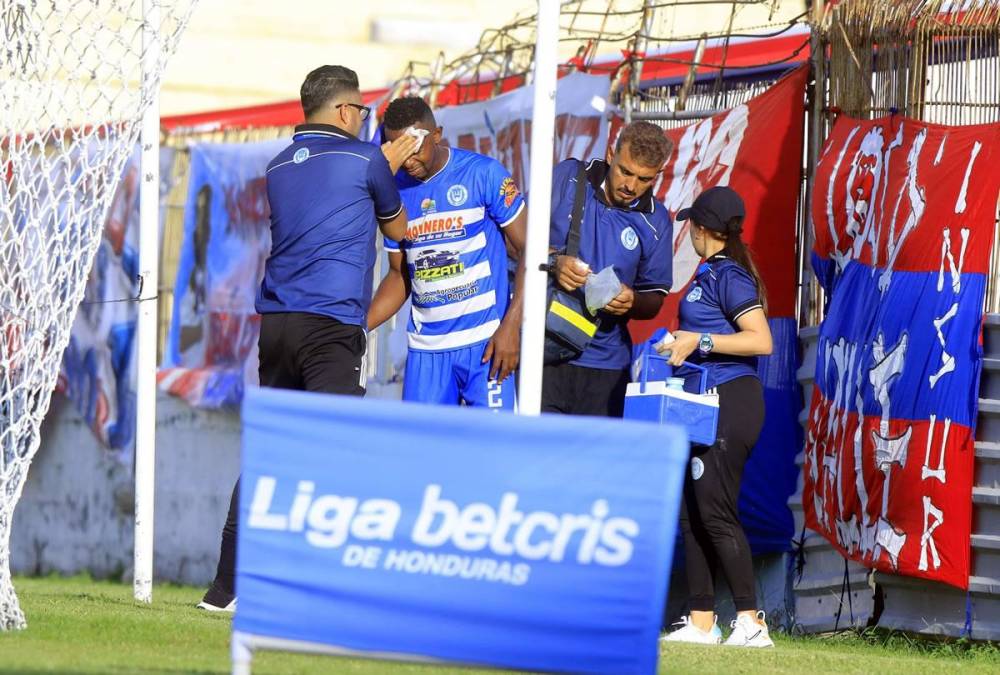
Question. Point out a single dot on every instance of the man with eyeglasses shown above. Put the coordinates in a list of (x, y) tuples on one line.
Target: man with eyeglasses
[(329, 193)]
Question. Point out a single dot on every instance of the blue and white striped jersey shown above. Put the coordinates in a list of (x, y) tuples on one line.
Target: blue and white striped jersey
[(455, 251)]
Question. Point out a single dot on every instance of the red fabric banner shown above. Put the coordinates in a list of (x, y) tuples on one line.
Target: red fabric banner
[(904, 214), (755, 148)]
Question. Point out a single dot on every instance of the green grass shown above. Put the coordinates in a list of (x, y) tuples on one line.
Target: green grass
[(81, 626)]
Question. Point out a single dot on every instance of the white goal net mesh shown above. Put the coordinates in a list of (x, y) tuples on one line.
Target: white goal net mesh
[(76, 77)]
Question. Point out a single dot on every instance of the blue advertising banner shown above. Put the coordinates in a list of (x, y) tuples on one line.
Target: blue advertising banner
[(395, 529)]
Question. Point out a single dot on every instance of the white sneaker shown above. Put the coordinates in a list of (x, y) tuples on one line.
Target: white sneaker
[(209, 607), (749, 633), (688, 632)]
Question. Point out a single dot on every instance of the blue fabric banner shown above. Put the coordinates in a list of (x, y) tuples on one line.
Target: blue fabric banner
[(771, 475), (212, 345), (456, 534)]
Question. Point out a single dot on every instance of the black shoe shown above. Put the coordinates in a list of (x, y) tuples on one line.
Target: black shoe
[(217, 600)]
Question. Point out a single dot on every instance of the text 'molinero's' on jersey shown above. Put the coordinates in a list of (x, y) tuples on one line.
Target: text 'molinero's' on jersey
[(455, 251)]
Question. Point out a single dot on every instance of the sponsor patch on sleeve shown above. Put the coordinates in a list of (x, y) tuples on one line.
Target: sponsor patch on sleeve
[(509, 191)]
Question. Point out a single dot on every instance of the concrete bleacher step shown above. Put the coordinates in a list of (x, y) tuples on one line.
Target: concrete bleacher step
[(986, 541), (984, 585), (987, 450), (985, 495)]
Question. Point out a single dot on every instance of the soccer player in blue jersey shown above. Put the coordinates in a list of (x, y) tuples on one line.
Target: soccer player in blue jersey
[(464, 213)]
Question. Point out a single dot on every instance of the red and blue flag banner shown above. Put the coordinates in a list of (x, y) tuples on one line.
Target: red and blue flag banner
[(904, 217), (756, 149)]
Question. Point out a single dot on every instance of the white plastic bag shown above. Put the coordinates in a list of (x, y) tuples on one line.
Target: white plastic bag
[(663, 346), (602, 288)]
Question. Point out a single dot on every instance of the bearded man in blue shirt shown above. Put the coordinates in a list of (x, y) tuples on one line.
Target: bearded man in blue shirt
[(622, 226)]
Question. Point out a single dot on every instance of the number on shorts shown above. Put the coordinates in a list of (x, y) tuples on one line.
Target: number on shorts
[(494, 398)]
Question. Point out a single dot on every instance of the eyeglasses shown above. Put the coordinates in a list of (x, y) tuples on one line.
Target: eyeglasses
[(363, 110)]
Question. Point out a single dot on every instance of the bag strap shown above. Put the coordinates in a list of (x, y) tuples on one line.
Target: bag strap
[(573, 240)]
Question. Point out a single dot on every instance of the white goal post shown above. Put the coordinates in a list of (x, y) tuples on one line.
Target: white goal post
[(76, 82)]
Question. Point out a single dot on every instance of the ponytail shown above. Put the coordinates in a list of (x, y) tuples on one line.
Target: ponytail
[(736, 249)]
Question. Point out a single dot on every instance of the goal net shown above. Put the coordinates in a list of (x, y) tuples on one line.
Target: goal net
[(76, 77)]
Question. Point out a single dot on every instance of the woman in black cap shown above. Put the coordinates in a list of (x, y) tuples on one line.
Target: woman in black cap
[(723, 327)]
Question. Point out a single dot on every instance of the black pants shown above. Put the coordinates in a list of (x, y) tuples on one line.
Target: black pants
[(305, 352), (573, 390), (713, 536)]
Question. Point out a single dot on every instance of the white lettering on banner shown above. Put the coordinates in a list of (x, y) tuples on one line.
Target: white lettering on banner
[(866, 529), (260, 518), (830, 221), (918, 202), (889, 450), (329, 521), (946, 254), (827, 454), (926, 471), (361, 556), (960, 203), (896, 143), (940, 154), (815, 446), (927, 538), (460, 566), (948, 360), (539, 535), (704, 158), (863, 184)]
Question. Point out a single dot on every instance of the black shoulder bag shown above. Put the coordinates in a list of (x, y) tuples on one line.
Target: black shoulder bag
[(569, 326)]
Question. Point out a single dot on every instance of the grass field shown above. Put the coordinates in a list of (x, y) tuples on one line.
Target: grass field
[(81, 626)]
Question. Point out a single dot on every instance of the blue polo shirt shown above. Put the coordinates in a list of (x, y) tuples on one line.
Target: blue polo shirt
[(326, 192), (722, 292), (637, 241)]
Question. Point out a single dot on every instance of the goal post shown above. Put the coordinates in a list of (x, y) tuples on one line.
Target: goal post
[(149, 255), (76, 81)]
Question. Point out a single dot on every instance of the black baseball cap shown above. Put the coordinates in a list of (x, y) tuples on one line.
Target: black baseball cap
[(714, 208)]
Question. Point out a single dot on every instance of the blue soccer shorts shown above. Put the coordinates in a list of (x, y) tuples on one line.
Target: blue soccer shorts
[(456, 376)]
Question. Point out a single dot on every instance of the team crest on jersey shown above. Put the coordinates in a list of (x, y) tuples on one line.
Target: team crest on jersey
[(694, 295), (509, 191), (457, 195), (428, 206), (629, 238), (301, 155)]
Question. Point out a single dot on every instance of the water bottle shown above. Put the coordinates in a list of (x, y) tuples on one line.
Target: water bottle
[(675, 384)]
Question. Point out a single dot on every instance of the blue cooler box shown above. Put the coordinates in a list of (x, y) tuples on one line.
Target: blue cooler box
[(649, 399)]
